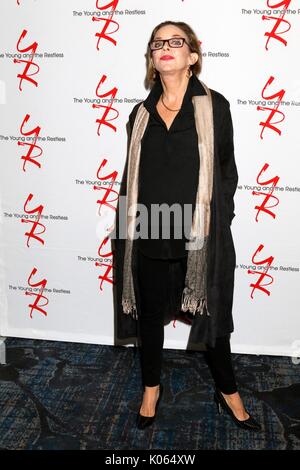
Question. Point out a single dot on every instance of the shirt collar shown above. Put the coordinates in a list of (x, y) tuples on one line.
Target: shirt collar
[(194, 88)]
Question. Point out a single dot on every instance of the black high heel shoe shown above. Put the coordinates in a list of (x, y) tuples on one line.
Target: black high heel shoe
[(145, 421), (249, 423)]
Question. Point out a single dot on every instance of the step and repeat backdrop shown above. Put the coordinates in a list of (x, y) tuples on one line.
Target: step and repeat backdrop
[(70, 74)]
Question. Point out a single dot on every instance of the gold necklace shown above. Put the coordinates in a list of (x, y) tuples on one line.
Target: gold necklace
[(167, 106)]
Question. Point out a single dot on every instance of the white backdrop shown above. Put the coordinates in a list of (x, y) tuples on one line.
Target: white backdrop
[(59, 232)]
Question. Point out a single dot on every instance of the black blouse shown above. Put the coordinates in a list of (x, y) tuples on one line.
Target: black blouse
[(169, 169)]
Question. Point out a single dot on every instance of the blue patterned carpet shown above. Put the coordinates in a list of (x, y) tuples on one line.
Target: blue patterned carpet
[(61, 395)]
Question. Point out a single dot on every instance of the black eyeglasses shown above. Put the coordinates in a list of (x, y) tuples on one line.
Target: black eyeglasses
[(173, 42)]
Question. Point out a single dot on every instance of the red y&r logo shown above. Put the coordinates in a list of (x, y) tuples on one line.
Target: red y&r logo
[(109, 108), (107, 21), (35, 305), (261, 276), (274, 34), (35, 132), (105, 277), (105, 202), (25, 75), (107, 191), (263, 207), (268, 123), (35, 223)]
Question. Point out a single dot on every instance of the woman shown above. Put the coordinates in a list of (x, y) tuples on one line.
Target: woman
[(181, 151)]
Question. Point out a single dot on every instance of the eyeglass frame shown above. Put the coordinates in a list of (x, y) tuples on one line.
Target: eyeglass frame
[(167, 40)]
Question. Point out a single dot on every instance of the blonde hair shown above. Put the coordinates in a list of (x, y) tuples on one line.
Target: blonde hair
[(192, 42)]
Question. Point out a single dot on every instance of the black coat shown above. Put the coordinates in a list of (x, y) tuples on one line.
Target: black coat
[(221, 252)]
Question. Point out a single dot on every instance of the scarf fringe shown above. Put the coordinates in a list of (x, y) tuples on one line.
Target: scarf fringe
[(190, 303)]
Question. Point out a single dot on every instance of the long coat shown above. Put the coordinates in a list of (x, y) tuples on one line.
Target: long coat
[(221, 252)]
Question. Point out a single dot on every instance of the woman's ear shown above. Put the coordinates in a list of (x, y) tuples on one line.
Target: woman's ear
[(194, 57)]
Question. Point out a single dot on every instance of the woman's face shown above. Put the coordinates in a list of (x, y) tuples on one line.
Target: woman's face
[(180, 57)]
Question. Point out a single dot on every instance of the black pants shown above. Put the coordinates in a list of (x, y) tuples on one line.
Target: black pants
[(152, 275)]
